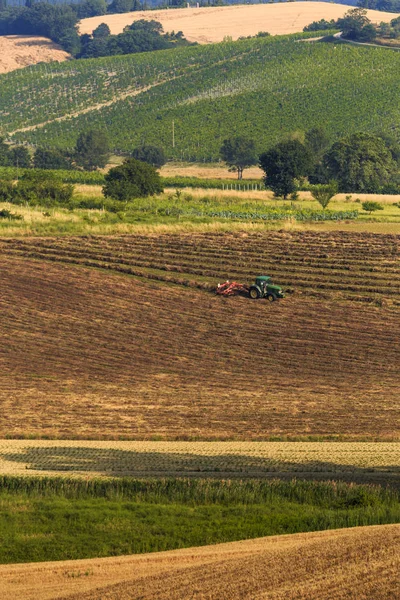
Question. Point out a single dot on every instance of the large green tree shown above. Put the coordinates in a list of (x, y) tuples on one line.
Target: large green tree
[(284, 163), (360, 163), (51, 159), (20, 157), (355, 25), (92, 150), (132, 179), (317, 140), (150, 154), (4, 153), (239, 153)]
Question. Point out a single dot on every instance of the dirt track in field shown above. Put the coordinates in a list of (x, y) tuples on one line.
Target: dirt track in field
[(213, 24), (345, 564), (18, 51), (89, 354)]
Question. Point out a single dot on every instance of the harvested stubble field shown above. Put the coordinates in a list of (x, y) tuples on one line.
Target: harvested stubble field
[(19, 51), (345, 564), (93, 355), (371, 462), (212, 24)]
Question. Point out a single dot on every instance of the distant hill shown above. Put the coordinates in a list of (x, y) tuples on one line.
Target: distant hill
[(213, 24), (264, 88)]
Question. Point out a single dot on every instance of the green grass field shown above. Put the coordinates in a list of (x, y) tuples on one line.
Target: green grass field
[(272, 86), (89, 212), (57, 519)]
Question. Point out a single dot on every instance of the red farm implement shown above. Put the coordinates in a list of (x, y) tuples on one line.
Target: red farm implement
[(231, 288), (262, 288)]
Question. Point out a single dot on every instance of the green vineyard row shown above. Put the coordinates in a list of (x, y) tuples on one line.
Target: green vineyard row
[(263, 88)]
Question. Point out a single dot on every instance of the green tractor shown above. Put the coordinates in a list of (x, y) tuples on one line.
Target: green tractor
[(264, 288)]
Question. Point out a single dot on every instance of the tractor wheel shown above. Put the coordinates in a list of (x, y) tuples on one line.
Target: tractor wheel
[(270, 297), (254, 293)]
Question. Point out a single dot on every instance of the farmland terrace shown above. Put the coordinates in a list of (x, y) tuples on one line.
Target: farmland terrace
[(91, 354)]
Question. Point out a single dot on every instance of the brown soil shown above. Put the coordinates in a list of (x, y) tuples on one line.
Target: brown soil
[(91, 354), (344, 564), (18, 51), (207, 25)]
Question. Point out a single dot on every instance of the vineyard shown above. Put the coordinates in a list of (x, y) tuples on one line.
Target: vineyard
[(272, 85), (156, 353)]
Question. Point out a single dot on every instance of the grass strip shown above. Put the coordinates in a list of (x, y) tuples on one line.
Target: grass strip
[(57, 519)]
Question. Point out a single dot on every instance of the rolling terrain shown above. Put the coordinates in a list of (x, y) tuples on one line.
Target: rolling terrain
[(138, 357), (346, 564), (213, 24), (273, 86)]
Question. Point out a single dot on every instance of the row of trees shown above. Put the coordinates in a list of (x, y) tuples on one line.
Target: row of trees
[(356, 26), (59, 22), (357, 163), (91, 152), (141, 36)]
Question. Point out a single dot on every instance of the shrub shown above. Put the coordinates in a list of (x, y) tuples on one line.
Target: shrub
[(371, 207), (132, 179), (6, 214), (324, 192)]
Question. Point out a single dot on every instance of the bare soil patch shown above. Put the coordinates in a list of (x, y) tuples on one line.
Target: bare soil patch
[(18, 51), (89, 354), (208, 25), (329, 565)]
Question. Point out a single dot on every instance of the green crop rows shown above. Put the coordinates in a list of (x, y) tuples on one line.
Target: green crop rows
[(263, 88)]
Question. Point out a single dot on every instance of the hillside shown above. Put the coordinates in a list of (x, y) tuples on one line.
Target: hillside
[(141, 357), (271, 86), (345, 564), (18, 51), (213, 24)]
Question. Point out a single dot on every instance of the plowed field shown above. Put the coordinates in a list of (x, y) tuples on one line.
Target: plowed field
[(331, 565), (91, 354)]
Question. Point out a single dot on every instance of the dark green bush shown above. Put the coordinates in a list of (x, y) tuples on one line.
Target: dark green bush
[(132, 179)]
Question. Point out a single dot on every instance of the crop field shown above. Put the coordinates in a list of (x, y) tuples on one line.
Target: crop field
[(273, 86), (212, 24), (362, 562), (19, 51), (339, 265), (352, 461), (139, 357)]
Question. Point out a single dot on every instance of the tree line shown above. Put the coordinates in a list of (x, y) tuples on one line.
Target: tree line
[(91, 152), (356, 26), (141, 36), (59, 23), (360, 162)]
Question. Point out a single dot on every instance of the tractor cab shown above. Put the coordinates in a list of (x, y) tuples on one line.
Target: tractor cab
[(262, 281), (265, 288)]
